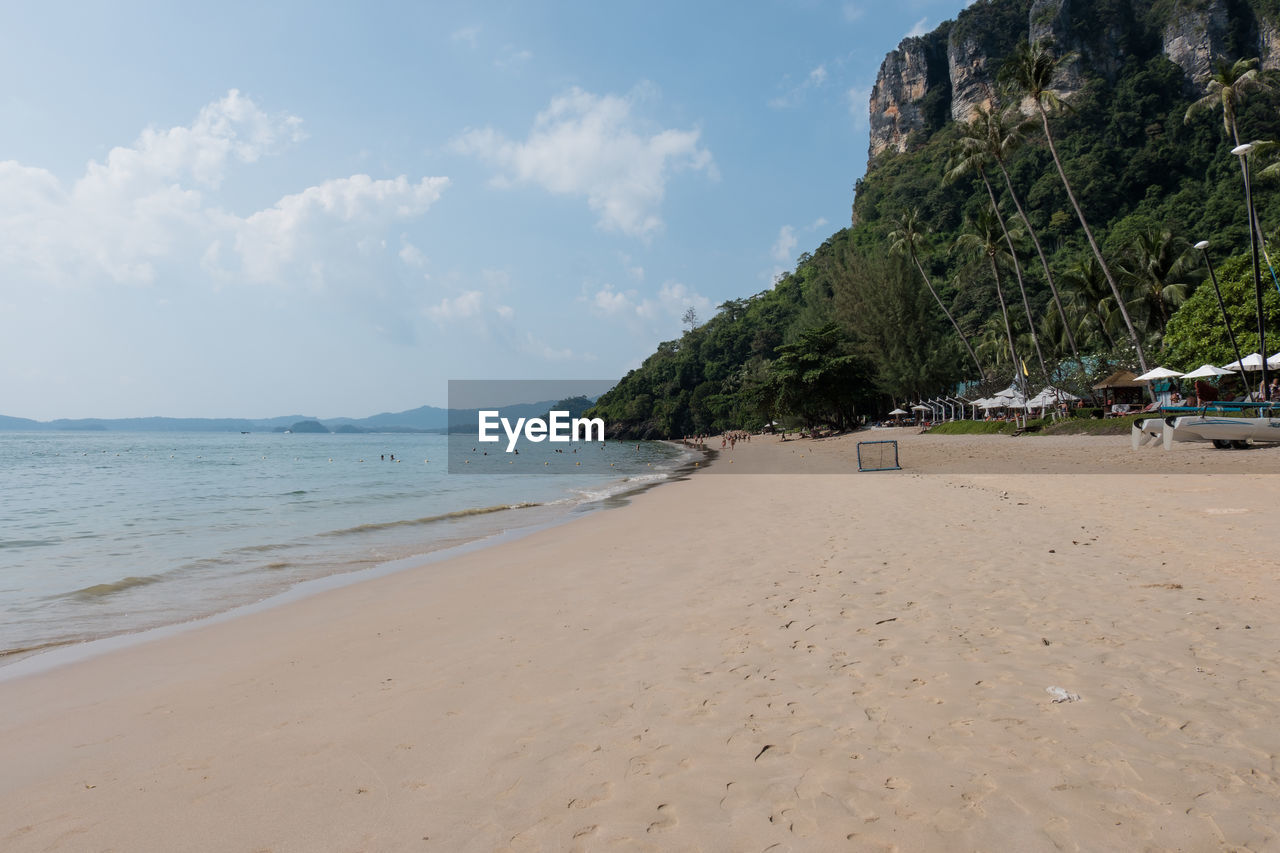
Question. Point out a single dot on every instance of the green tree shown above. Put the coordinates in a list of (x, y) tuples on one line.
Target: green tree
[(1005, 135), (1161, 273), (973, 152), (1227, 87), (906, 239), (1031, 71), (1089, 296), (983, 240), (816, 377), (1196, 332), (895, 325)]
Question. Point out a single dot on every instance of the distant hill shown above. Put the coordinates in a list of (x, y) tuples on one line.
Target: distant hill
[(421, 419)]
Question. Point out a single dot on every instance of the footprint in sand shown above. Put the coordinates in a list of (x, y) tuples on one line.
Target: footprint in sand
[(594, 795), (666, 819)]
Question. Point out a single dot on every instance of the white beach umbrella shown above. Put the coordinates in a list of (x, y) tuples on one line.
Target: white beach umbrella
[(1158, 373), (1050, 395), (1274, 361), (898, 412), (1207, 371), (919, 407), (1249, 362)]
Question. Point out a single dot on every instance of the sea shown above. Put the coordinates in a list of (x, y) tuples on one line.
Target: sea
[(111, 533)]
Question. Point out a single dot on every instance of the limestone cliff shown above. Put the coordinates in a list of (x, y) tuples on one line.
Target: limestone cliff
[(972, 80), (945, 75), (1195, 39), (898, 99), (895, 98)]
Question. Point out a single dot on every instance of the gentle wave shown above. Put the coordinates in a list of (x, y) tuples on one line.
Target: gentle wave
[(101, 590), (430, 519), (28, 543)]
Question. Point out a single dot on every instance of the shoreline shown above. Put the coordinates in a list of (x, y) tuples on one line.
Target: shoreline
[(817, 662), (16, 663)]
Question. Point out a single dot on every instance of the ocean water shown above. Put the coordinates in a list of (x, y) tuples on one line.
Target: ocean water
[(104, 533)]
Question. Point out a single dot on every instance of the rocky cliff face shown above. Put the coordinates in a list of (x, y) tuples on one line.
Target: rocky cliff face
[(1194, 34), (895, 98), (1195, 38), (1051, 19), (972, 80)]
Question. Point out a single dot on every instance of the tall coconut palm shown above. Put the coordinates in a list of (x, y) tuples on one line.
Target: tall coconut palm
[(992, 344), (1031, 71), (1006, 136), (1087, 293), (972, 153), (907, 239), (983, 239), (1227, 87), (1161, 273)]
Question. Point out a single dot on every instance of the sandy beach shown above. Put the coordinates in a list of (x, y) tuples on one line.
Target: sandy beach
[(778, 653)]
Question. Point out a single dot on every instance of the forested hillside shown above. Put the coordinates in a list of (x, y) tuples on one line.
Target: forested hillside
[(964, 227)]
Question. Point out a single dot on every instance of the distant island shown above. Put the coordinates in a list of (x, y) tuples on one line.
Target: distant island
[(424, 419)]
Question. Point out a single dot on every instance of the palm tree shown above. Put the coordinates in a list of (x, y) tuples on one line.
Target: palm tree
[(1228, 86), (972, 152), (983, 239), (1087, 292), (1032, 71), (1161, 273), (906, 239), (1005, 138), (993, 345)]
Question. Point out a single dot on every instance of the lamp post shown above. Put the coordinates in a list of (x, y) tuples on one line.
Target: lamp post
[(1243, 151), (1203, 246)]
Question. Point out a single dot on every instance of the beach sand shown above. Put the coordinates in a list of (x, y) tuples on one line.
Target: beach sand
[(764, 656)]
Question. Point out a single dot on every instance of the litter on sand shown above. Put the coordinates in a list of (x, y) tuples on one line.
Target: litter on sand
[(1061, 694)]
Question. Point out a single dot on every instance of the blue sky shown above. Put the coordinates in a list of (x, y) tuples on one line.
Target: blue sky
[(258, 209)]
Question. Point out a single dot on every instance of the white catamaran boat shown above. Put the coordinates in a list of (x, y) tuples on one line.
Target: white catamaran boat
[(1212, 423)]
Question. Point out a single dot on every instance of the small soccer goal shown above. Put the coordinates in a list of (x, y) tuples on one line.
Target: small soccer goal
[(878, 456)]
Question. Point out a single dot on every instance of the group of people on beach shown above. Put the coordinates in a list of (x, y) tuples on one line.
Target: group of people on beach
[(727, 439)]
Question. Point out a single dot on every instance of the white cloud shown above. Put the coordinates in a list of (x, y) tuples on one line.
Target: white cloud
[(540, 348), (633, 269), (593, 147), (512, 56), (466, 35), (920, 28), (153, 205), (469, 304), (298, 225), (657, 313), (785, 244), (674, 299), (411, 255), (608, 301), (817, 223), (795, 95)]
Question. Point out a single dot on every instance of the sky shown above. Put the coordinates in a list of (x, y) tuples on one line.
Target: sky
[(272, 208)]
